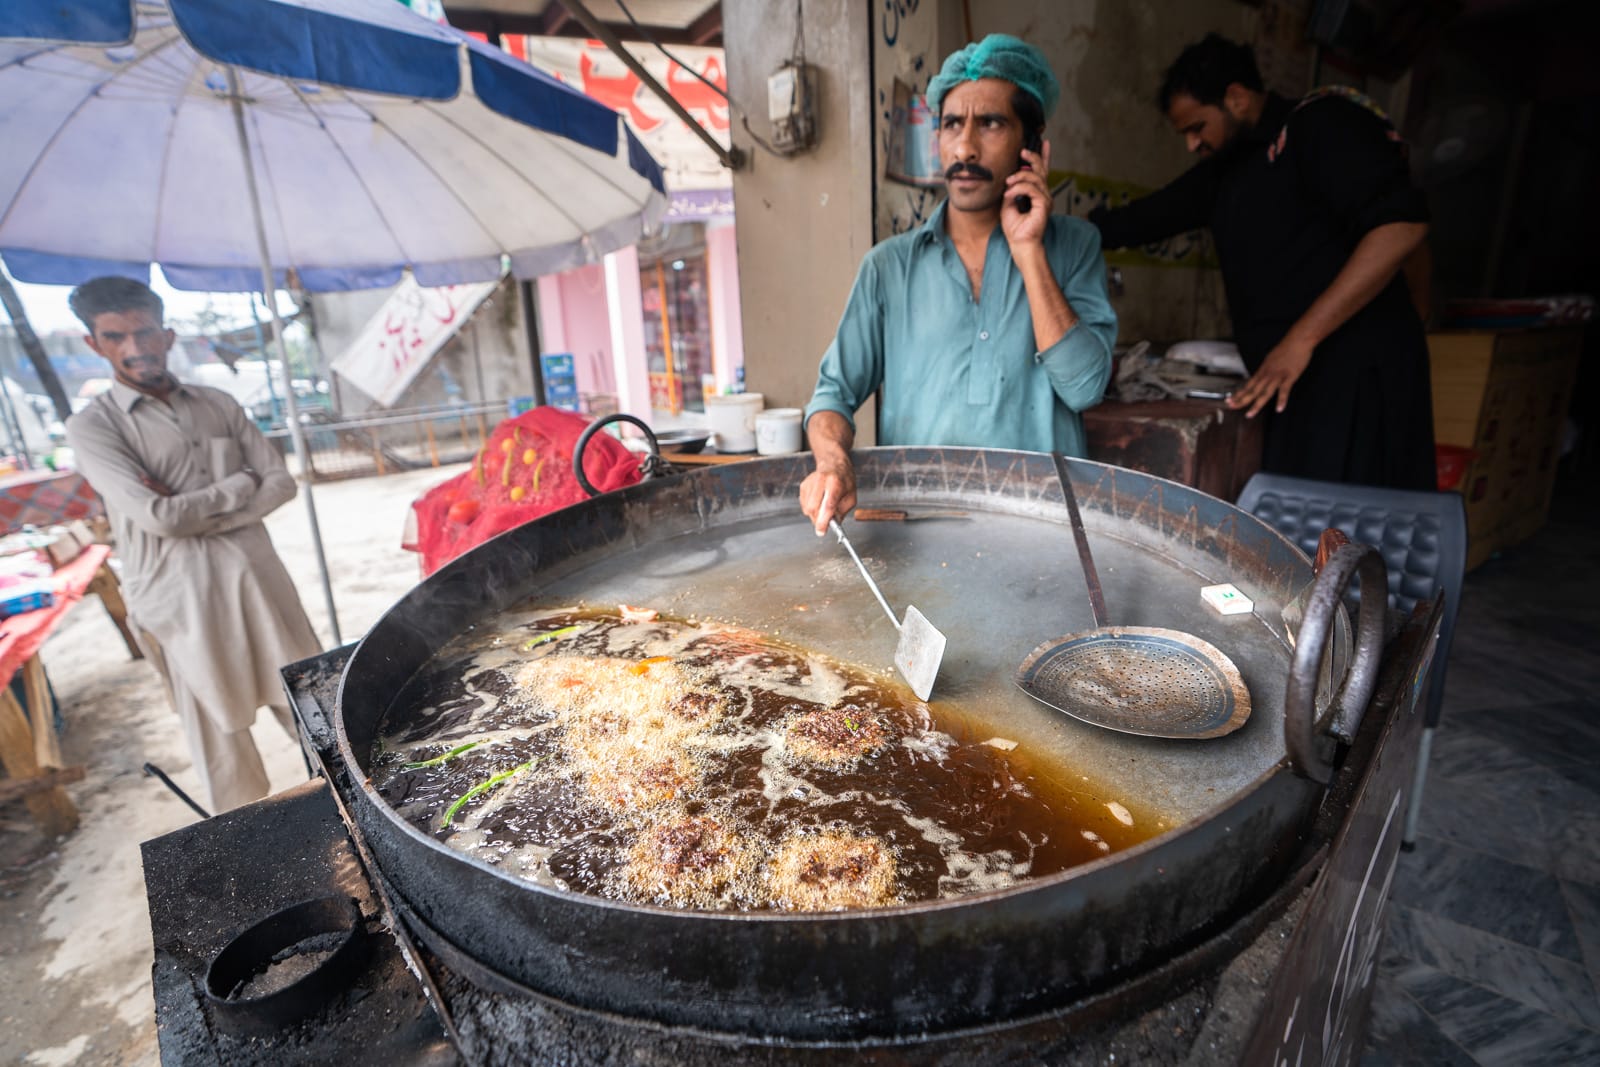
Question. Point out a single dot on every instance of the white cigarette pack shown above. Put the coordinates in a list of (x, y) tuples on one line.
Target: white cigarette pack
[(1225, 599)]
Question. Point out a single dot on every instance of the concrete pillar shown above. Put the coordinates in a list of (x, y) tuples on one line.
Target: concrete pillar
[(626, 310), (804, 221), (727, 326)]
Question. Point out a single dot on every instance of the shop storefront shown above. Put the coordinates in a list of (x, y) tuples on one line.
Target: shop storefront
[(652, 328)]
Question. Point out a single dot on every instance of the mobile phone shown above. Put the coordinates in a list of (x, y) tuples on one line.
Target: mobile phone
[(1034, 143)]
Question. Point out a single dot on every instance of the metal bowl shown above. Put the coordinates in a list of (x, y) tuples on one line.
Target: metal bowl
[(682, 440)]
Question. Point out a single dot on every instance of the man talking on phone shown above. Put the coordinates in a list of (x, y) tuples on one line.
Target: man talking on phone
[(988, 325)]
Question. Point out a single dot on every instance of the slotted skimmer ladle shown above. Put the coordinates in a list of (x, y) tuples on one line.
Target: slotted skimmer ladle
[(1136, 679), (920, 649)]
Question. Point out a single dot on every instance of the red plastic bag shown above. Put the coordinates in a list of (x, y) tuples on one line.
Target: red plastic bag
[(522, 472), (1452, 462)]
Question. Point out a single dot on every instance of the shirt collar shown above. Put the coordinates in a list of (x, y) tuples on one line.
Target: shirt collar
[(932, 231), (1274, 113), (125, 396)]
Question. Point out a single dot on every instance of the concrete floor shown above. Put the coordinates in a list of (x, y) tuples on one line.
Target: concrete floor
[(1493, 946), (75, 945), (1492, 949)]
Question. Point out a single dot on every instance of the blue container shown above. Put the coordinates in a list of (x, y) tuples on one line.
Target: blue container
[(26, 599), (556, 363)]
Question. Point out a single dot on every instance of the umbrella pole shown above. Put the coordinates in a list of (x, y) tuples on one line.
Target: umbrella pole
[(268, 288)]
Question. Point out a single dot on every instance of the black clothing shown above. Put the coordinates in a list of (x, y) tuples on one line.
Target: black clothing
[(1362, 412)]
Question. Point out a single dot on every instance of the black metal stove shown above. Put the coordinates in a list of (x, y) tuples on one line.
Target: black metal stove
[(1291, 978)]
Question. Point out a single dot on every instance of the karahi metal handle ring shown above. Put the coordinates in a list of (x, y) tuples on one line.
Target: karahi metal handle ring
[(653, 465), (1350, 703)]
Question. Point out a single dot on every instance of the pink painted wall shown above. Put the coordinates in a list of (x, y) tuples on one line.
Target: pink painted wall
[(727, 321), (573, 317)]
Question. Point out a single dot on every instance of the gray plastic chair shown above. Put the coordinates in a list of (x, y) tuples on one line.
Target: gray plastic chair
[(1422, 537)]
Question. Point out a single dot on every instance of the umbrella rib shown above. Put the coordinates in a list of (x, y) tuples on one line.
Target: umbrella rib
[(265, 175), (96, 84), (562, 146), (559, 144), (427, 165), (338, 146), (166, 160), (489, 148)]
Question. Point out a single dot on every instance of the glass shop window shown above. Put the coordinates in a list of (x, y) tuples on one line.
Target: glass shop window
[(677, 322)]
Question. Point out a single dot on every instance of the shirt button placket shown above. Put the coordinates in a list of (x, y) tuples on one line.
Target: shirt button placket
[(983, 371)]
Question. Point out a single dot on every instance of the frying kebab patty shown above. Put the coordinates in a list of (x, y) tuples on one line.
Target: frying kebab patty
[(831, 871), (835, 736)]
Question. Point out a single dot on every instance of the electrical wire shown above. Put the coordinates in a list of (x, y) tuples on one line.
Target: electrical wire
[(662, 49), (744, 116)]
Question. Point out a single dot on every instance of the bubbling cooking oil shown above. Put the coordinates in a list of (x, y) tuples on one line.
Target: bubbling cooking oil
[(696, 765)]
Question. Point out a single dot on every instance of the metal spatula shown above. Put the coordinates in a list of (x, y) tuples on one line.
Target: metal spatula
[(921, 647)]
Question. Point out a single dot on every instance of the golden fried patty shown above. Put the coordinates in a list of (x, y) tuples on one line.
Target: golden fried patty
[(689, 862), (831, 871), (835, 736)]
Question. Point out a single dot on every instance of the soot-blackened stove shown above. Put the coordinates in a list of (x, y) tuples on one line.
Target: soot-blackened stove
[(1291, 978)]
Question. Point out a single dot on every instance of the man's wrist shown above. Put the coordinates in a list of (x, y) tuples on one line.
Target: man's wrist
[(1028, 253), (830, 459), (1299, 341)]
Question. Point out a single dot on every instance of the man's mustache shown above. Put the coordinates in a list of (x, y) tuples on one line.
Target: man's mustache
[(974, 170)]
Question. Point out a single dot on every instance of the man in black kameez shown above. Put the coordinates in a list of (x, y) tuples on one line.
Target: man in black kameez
[(1313, 212)]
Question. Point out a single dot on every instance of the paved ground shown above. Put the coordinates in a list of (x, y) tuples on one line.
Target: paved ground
[(75, 942), (1492, 947)]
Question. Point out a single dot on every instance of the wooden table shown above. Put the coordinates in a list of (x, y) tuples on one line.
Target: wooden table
[(29, 749), (1200, 443)]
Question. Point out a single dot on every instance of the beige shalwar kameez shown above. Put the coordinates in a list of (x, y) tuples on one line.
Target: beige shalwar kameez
[(200, 572)]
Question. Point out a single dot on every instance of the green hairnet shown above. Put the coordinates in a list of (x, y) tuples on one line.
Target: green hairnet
[(998, 55)]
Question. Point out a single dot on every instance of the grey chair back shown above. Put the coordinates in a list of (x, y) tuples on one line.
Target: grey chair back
[(1422, 537)]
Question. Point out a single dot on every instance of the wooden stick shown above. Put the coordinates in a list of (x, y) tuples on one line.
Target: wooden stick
[(108, 588), (897, 515), (46, 749), (22, 788), (51, 807)]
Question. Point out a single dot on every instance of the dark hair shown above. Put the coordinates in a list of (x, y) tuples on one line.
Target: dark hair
[(1205, 70), (113, 293), (1030, 113)]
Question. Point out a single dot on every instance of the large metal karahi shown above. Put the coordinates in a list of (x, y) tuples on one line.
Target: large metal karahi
[(728, 543)]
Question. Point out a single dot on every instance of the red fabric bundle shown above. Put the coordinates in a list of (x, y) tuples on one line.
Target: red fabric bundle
[(523, 471)]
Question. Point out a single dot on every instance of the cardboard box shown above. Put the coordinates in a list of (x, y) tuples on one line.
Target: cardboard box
[(1505, 395), (68, 543), (25, 598)]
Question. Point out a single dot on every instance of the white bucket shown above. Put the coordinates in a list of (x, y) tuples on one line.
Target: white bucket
[(732, 419), (778, 431)]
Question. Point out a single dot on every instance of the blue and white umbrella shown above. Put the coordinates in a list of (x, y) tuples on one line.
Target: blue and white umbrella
[(232, 141), (377, 141)]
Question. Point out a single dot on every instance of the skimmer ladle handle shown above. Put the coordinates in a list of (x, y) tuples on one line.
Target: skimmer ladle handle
[(833, 524), (1091, 577)]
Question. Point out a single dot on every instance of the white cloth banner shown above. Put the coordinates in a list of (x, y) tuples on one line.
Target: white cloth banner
[(400, 339), (684, 158)]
